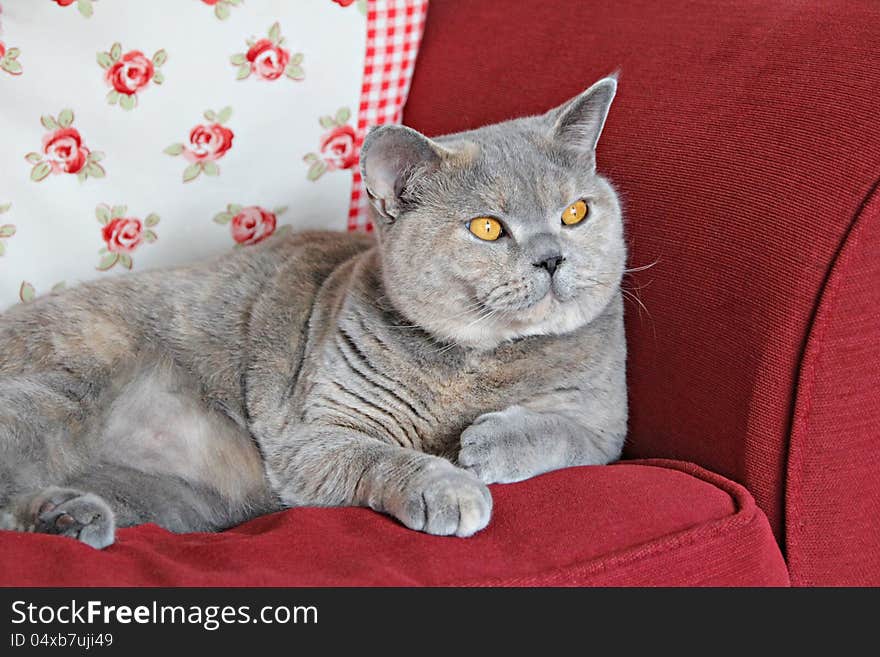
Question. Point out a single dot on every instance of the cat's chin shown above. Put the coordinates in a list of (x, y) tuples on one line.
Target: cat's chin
[(548, 316)]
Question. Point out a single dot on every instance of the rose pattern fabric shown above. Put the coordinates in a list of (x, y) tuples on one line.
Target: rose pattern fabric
[(252, 225), (64, 151), (268, 59), (132, 85), (122, 235), (27, 292), (222, 8), (337, 147), (361, 4), (8, 60), (84, 6), (129, 73), (249, 225), (207, 144), (6, 230)]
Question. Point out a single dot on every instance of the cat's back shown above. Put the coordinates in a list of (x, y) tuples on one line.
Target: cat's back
[(206, 305), (313, 253)]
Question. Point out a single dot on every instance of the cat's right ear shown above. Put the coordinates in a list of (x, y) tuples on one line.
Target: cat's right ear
[(392, 156)]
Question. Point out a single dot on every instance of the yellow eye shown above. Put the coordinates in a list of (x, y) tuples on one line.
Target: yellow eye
[(486, 228), (575, 213)]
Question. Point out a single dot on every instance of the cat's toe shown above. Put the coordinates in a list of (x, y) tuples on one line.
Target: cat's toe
[(83, 516), (497, 451), (447, 502), (481, 453)]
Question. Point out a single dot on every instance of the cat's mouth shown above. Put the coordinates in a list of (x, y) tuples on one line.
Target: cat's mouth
[(513, 315), (554, 297), (544, 306), (521, 305), (532, 311)]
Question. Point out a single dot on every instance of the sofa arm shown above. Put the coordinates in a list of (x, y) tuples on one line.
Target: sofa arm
[(832, 494), (745, 143)]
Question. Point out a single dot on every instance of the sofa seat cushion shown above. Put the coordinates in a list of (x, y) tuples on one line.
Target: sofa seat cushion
[(652, 522)]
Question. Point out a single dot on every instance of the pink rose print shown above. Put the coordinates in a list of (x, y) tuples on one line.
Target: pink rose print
[(64, 151), (338, 146), (267, 59), (250, 225), (207, 144), (130, 73), (8, 57), (8, 230), (222, 8), (84, 6), (122, 235)]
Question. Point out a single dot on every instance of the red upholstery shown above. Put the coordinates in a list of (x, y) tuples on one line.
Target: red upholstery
[(745, 140), (833, 494), (657, 523), (746, 143)]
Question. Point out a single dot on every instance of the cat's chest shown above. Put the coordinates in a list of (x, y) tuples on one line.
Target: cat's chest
[(375, 382)]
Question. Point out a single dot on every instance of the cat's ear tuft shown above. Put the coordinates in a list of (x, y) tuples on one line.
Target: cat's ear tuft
[(392, 156), (579, 122)]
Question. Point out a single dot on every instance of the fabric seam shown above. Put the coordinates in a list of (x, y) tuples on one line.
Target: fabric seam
[(806, 380)]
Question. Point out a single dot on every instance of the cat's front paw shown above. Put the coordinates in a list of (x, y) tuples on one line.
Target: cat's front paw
[(443, 500), (499, 447), (68, 512)]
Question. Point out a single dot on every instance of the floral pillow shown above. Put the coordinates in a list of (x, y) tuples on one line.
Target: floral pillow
[(139, 135)]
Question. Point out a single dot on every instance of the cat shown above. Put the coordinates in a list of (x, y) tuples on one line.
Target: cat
[(477, 339)]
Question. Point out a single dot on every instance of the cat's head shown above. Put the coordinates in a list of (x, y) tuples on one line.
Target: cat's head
[(500, 232)]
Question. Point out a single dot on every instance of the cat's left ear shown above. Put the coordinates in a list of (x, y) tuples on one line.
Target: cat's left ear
[(579, 122)]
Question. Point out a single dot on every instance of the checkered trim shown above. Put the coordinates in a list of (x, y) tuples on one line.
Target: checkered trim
[(394, 30)]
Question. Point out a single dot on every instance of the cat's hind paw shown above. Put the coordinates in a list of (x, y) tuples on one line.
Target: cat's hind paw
[(68, 512)]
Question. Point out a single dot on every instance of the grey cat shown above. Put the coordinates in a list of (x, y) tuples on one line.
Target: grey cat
[(479, 339)]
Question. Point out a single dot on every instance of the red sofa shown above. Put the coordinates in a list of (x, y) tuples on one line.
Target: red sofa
[(745, 141)]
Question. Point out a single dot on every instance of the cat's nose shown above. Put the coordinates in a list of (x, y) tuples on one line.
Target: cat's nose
[(550, 264)]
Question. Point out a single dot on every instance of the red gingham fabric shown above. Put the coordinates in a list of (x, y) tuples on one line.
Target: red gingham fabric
[(394, 29)]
